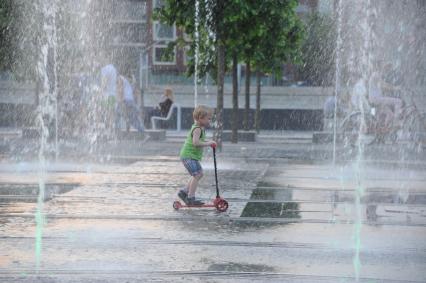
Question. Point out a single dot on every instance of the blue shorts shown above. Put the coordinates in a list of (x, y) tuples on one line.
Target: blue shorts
[(193, 166)]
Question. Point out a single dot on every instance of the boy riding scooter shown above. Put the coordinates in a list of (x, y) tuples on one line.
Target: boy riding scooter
[(191, 155)]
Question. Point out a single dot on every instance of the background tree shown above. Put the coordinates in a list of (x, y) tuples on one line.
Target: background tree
[(269, 33), (237, 26), (317, 56), (264, 33), (279, 35), (19, 30), (6, 50), (213, 51)]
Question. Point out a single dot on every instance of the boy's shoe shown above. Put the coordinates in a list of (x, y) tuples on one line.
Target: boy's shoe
[(193, 201), (183, 195)]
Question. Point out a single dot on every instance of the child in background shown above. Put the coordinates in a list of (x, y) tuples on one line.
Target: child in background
[(192, 153)]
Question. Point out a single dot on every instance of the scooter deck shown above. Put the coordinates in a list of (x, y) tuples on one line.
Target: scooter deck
[(219, 203), (197, 206)]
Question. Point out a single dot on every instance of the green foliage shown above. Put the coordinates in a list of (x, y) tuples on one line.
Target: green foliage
[(5, 34), (279, 36), (318, 50), (19, 35), (268, 32), (182, 13)]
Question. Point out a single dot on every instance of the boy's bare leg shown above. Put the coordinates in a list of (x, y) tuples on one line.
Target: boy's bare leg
[(189, 185), (192, 186)]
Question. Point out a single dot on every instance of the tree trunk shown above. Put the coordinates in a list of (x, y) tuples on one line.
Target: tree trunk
[(234, 122), (257, 116), (247, 108), (219, 104)]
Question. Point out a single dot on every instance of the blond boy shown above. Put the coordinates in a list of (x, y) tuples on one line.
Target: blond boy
[(192, 153)]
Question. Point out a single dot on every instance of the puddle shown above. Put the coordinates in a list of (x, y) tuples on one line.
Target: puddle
[(277, 209), (29, 192)]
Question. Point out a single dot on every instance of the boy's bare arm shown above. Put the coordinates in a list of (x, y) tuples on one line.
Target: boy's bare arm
[(196, 134)]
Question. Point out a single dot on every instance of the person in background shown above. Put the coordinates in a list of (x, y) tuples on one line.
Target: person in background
[(106, 101), (377, 86), (109, 76), (127, 107), (163, 107)]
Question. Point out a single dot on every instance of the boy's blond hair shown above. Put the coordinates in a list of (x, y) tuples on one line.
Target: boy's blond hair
[(200, 112)]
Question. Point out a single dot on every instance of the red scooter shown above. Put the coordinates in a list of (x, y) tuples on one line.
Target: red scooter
[(219, 203)]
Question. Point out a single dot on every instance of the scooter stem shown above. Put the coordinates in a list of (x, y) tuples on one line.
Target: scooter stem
[(215, 172)]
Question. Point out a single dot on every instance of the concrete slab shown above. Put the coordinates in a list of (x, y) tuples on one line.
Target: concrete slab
[(325, 137)]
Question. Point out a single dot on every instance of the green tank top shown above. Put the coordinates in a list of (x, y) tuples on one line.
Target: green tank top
[(189, 151)]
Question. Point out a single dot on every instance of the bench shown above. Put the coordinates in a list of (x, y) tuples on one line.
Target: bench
[(169, 115), (326, 137)]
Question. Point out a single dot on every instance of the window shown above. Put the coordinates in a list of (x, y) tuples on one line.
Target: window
[(159, 56), (162, 35), (164, 32), (129, 32), (158, 4)]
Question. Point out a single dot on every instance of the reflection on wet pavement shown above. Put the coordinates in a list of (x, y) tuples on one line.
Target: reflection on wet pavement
[(288, 222)]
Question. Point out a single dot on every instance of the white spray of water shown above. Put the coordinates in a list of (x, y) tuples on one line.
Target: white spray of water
[(47, 107), (337, 76), (197, 50), (211, 37), (361, 89)]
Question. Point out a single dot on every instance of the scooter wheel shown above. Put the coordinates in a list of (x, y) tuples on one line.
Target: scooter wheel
[(176, 205), (222, 205)]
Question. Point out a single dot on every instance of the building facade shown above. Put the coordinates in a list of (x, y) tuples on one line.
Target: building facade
[(137, 42)]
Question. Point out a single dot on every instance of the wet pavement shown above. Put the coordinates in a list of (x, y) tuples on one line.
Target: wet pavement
[(291, 218)]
